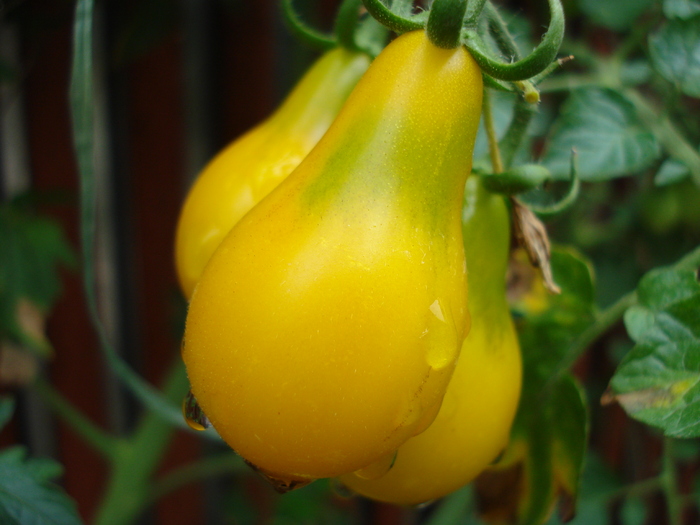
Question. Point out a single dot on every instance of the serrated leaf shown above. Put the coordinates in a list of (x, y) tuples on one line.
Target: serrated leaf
[(671, 172), (675, 54), (543, 462), (618, 15), (681, 8), (603, 128), (27, 498), (658, 382)]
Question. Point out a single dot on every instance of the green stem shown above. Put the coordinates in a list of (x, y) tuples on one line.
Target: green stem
[(513, 138), (667, 134), (137, 458), (604, 321), (670, 485), (224, 463), (94, 436), (445, 22), (489, 125), (82, 112)]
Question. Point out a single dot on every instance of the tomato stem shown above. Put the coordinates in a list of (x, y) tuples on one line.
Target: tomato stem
[(445, 22), (489, 125), (93, 435)]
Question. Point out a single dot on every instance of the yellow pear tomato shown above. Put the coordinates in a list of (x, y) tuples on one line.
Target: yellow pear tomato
[(251, 166), (474, 422)]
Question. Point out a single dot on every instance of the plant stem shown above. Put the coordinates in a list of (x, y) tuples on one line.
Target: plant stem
[(670, 485), (494, 151), (603, 322), (94, 436), (137, 458), (227, 462)]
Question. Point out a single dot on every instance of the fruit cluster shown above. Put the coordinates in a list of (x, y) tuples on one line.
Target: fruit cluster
[(325, 257)]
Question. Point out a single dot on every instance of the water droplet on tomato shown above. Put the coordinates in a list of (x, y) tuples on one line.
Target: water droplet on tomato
[(194, 416), (377, 469), (444, 342)]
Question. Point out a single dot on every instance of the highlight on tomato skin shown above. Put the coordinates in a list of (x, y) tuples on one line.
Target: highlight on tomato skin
[(473, 425), (251, 166), (325, 327)]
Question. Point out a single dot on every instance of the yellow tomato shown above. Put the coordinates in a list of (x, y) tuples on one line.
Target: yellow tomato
[(251, 166), (474, 422), (326, 326)]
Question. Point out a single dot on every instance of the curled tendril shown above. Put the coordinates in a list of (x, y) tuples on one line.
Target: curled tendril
[(303, 31), (395, 22), (529, 66), (563, 204)]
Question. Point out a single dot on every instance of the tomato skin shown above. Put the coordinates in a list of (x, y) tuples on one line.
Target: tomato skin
[(473, 424), (255, 163), (325, 328)]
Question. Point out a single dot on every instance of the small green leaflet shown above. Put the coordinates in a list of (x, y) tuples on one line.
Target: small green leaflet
[(658, 381), (603, 128), (618, 15), (32, 249), (27, 496), (675, 54), (681, 8)]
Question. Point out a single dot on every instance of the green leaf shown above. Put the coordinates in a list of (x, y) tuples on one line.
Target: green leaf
[(32, 250), (618, 15), (7, 408), (670, 172), (544, 460), (681, 8), (26, 495), (658, 382), (603, 128), (675, 54), (547, 324)]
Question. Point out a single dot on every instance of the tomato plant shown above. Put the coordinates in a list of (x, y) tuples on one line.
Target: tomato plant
[(323, 337)]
